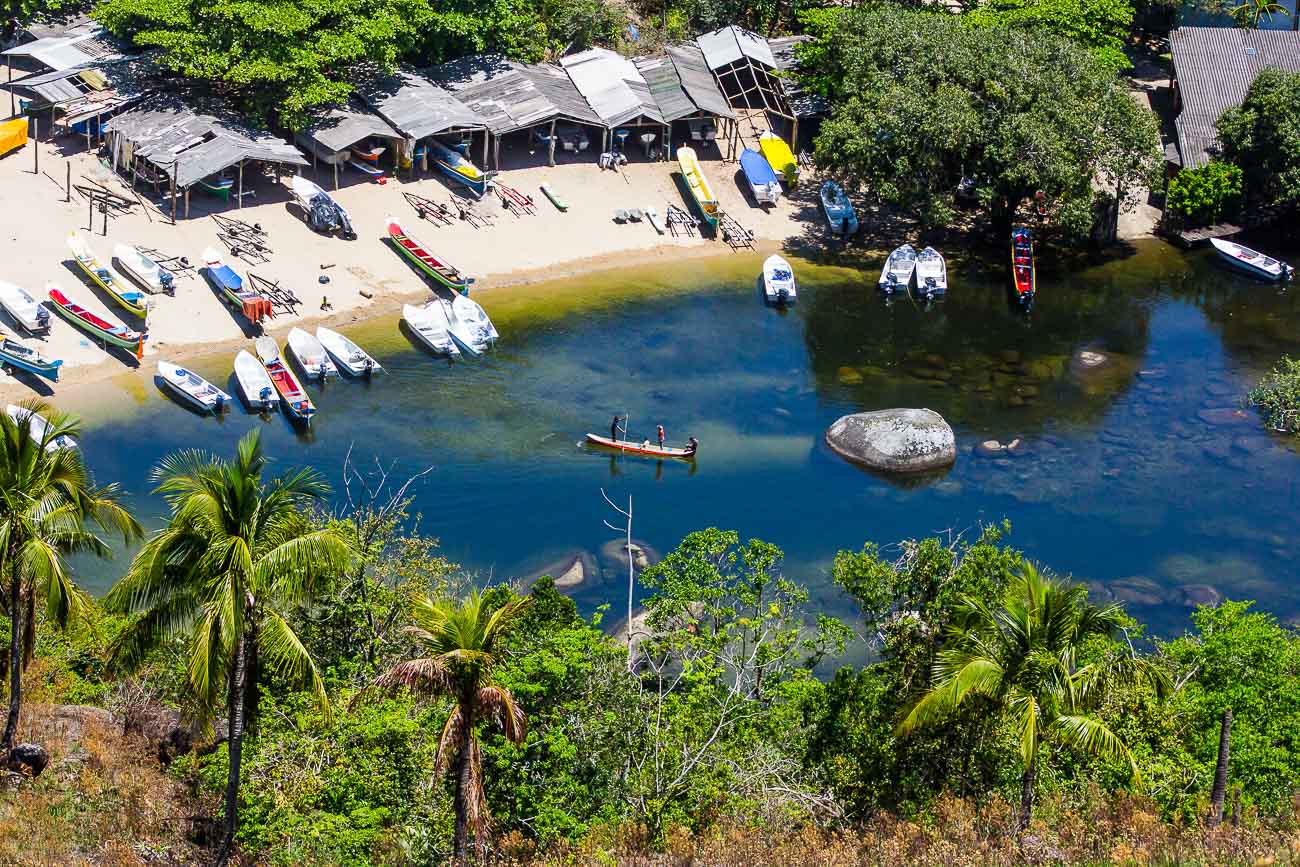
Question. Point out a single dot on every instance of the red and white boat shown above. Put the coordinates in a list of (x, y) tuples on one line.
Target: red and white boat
[(645, 447), (1252, 262), (291, 391), (95, 326), (1022, 264)]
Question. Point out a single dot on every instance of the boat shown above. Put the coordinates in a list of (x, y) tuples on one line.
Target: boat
[(40, 428), (367, 169), (779, 157), (841, 217), (698, 184), (1252, 262), (368, 150), (896, 275), (430, 324), (255, 382), (931, 274), (645, 447), (652, 217), (778, 280), (312, 357), (763, 182), (17, 355), (554, 197), (106, 278), (24, 309), (147, 273), (426, 261), (322, 213), (291, 391), (347, 354), (471, 312), (1022, 264), (218, 185), (96, 326), (254, 305), (456, 166), (468, 339), (192, 388)]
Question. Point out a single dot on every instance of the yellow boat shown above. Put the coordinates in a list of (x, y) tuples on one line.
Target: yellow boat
[(779, 157), (700, 189)]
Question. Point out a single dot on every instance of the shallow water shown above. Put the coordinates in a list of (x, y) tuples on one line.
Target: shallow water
[(1121, 483)]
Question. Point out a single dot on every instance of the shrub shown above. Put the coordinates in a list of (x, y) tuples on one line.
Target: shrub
[(1277, 396), (1207, 194)]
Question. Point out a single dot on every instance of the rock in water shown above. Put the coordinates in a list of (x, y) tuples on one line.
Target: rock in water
[(894, 440)]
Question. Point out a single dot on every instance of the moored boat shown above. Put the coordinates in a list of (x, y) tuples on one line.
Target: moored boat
[(456, 166), (192, 388), (1251, 261), (25, 310), (468, 339), (286, 384), (259, 391), (17, 355), (40, 428), (840, 215), (645, 447), (931, 274), (147, 273), (428, 263), (1022, 265), (778, 280), (103, 276), (429, 322), (896, 275), (94, 325), (471, 312), (760, 175), (218, 185), (779, 157), (347, 354), (254, 305), (701, 192), (312, 357)]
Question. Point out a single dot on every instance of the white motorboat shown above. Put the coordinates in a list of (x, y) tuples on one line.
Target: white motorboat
[(1253, 262), (778, 280), (24, 309), (193, 389), (430, 324), (255, 382), (312, 357), (40, 428), (468, 339), (145, 272), (931, 274), (471, 312), (347, 354), (896, 276), (320, 209)]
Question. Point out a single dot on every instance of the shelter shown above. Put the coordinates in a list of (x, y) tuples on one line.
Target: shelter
[(80, 44), (686, 92), (418, 108), (329, 138), (616, 91), (169, 141), (748, 72), (512, 97), (80, 98), (1213, 69)]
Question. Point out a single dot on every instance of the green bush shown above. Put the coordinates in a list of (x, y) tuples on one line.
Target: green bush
[(1207, 194), (1277, 396)]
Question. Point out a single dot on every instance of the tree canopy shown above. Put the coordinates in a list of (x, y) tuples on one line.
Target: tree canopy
[(1262, 135)]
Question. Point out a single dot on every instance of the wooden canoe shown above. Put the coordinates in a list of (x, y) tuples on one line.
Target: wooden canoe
[(118, 335), (430, 264), (642, 448)]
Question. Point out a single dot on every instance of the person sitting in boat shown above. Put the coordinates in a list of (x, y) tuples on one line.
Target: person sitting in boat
[(691, 445)]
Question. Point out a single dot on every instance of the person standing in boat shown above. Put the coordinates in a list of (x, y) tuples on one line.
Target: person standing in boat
[(659, 429), (613, 429)]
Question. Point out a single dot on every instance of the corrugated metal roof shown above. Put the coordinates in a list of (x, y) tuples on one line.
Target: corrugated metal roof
[(698, 81), (77, 47), (665, 87), (415, 106), (341, 127), (127, 81), (724, 47), (1215, 67), (170, 135), (612, 86), (510, 96), (804, 103)]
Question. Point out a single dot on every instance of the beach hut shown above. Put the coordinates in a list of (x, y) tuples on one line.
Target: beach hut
[(616, 91), (421, 110), (332, 134), (78, 100), (688, 97)]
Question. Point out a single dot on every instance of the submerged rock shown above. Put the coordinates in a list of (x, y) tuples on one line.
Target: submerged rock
[(614, 555), (894, 440), (848, 376), (1201, 594)]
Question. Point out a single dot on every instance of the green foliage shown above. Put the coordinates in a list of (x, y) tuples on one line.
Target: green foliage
[(1100, 25), (1017, 111), (1206, 195), (1262, 136), (1277, 396), (1251, 12), (16, 13)]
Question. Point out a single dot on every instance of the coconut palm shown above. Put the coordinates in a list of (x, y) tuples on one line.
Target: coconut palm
[(1022, 657), (1249, 13), (237, 556), (48, 501), (460, 645)]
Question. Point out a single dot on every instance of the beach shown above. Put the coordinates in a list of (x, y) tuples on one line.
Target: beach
[(365, 277)]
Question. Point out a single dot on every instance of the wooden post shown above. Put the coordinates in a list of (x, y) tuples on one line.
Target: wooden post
[(241, 184), (36, 147), (496, 153), (90, 213), (666, 145), (336, 176), (604, 138), (551, 143), (187, 203), (485, 148), (104, 205), (68, 183), (13, 107), (794, 135)]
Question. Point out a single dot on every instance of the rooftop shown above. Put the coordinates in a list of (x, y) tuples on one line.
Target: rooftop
[(510, 96), (612, 86), (414, 105)]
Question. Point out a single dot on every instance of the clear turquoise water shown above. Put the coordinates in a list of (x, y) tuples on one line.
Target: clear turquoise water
[(1123, 483)]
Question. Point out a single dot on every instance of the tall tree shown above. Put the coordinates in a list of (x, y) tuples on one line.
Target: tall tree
[(48, 501), (1262, 135), (1022, 656), (461, 641), (237, 556)]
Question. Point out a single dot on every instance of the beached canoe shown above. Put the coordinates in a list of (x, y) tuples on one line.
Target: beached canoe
[(291, 392), (192, 388), (254, 305), (701, 191), (312, 357), (779, 157), (644, 448), (455, 166), (218, 185), (15, 355), (103, 276), (147, 273), (96, 326), (430, 324), (40, 428), (428, 263), (23, 308), (1251, 261), (372, 171), (350, 357), (554, 197)]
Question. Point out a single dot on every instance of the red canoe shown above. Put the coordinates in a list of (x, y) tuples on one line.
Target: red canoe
[(96, 326), (1022, 263)]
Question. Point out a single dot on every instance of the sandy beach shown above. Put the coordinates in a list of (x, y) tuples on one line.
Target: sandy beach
[(366, 277)]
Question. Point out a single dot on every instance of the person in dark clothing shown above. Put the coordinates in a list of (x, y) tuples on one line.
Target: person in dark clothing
[(692, 445), (660, 430), (613, 429)]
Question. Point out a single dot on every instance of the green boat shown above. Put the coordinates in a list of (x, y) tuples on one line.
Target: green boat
[(559, 203), (430, 264)]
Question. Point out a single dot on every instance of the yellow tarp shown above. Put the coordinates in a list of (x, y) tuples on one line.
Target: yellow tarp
[(13, 135)]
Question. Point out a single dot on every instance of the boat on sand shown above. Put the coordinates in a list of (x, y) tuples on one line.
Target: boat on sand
[(146, 273), (840, 215), (15, 355), (762, 179), (429, 322), (23, 308), (441, 271), (254, 305), (698, 184), (94, 325), (103, 276)]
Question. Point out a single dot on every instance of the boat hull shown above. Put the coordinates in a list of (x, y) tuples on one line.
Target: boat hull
[(89, 323), (40, 367), (645, 449), (424, 260), (698, 185)]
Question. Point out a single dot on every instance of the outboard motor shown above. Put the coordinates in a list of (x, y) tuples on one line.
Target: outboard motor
[(266, 397), (167, 281)]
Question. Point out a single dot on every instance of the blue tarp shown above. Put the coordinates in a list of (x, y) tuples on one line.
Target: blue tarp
[(226, 278), (756, 168)]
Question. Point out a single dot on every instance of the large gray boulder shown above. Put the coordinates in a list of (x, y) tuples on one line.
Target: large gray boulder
[(894, 440)]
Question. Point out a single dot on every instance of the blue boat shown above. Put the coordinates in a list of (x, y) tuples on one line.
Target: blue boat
[(15, 355), (454, 165), (763, 182), (841, 217)]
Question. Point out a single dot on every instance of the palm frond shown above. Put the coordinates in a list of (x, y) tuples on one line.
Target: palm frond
[(428, 675), (1093, 738), (498, 704), (450, 742), (286, 653)]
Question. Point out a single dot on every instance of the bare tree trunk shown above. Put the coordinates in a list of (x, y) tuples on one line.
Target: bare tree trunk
[(1027, 781), (15, 665), (1221, 769), (464, 781), (238, 685)]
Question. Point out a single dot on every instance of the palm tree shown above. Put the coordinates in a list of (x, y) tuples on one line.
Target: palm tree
[(459, 641), (237, 556), (1249, 13), (1022, 657), (47, 501)]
